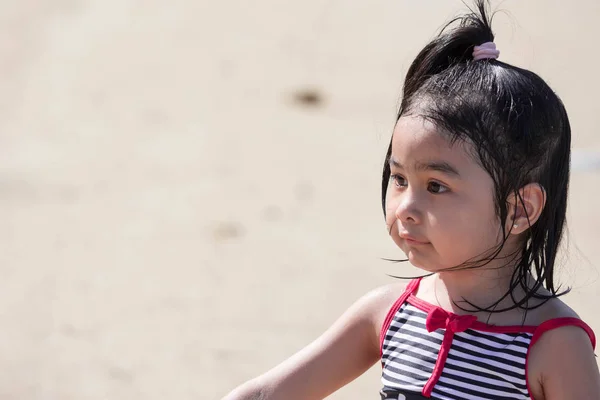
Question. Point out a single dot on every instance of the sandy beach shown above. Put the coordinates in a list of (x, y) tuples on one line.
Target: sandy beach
[(190, 190)]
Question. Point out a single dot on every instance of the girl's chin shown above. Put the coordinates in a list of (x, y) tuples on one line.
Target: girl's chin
[(419, 261)]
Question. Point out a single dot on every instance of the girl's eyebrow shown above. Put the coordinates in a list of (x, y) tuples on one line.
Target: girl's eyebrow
[(439, 166)]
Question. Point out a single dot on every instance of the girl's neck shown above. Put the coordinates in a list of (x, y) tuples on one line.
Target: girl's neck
[(481, 287), (486, 286)]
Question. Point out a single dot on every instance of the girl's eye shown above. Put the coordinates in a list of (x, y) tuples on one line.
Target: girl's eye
[(398, 180), (437, 188)]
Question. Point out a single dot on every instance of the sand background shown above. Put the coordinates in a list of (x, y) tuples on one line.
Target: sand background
[(175, 221)]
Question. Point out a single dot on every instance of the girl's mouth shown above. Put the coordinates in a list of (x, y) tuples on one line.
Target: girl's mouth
[(411, 239)]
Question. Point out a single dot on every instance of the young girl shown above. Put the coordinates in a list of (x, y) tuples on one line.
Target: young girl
[(475, 194)]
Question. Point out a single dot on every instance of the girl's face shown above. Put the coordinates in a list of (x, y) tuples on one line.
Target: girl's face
[(439, 204)]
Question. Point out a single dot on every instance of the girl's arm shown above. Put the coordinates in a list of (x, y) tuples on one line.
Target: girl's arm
[(346, 350), (562, 366)]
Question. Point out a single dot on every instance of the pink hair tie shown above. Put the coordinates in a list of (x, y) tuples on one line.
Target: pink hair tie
[(485, 51)]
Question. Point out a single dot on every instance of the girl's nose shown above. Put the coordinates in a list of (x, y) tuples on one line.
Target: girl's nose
[(407, 210)]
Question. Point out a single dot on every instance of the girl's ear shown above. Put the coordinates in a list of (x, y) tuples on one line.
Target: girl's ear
[(525, 208)]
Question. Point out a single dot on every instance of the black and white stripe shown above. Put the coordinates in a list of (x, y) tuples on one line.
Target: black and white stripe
[(480, 365)]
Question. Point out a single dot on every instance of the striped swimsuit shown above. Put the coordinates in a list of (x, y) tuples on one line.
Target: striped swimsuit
[(427, 352)]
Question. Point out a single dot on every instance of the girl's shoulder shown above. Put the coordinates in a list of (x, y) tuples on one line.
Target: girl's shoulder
[(384, 297), (561, 358), (379, 301), (390, 292), (555, 318), (552, 309)]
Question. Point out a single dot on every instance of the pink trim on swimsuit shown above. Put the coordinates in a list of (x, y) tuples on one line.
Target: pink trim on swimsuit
[(452, 323)]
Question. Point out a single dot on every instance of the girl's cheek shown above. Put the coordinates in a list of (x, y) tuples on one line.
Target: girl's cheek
[(391, 223), (390, 210)]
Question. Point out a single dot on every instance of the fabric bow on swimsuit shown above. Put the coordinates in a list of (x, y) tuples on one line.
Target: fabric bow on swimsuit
[(438, 318)]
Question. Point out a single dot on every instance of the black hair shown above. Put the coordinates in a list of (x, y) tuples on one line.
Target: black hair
[(519, 131)]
